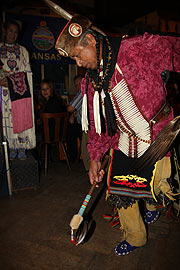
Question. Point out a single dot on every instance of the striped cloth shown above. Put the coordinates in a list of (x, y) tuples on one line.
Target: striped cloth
[(77, 104)]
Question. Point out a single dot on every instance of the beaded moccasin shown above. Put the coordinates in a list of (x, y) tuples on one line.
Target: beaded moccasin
[(151, 216), (124, 248)]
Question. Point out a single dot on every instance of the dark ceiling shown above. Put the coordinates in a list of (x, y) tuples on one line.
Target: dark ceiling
[(106, 13)]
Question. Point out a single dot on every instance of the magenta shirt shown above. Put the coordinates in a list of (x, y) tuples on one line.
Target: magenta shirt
[(141, 59)]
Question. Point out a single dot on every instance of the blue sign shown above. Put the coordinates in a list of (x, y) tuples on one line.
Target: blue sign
[(39, 35)]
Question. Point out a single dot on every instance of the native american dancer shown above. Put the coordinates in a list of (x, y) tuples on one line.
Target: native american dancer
[(16, 94), (124, 109)]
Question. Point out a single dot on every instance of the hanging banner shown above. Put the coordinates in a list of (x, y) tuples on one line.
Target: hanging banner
[(39, 35)]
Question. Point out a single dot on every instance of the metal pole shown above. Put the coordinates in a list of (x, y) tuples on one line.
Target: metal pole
[(5, 143), (7, 168), (42, 72)]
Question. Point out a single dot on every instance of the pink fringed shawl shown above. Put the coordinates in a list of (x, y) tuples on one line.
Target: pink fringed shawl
[(21, 104)]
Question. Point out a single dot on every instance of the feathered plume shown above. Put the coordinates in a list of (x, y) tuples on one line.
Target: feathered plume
[(56, 8)]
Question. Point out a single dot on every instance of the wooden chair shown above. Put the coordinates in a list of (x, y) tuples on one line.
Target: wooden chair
[(59, 137)]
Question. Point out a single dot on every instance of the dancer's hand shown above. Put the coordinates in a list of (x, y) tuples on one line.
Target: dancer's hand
[(95, 172)]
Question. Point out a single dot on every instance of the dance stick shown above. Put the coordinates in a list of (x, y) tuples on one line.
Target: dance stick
[(77, 219)]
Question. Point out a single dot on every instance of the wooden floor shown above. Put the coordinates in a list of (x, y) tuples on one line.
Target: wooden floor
[(35, 232)]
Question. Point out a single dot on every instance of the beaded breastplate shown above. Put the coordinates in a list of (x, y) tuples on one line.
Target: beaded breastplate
[(135, 132)]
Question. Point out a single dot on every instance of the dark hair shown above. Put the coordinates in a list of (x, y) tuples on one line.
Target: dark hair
[(77, 76), (42, 101), (48, 82), (83, 39), (99, 39), (14, 22)]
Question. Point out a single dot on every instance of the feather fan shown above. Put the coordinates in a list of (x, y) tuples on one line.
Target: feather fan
[(160, 146)]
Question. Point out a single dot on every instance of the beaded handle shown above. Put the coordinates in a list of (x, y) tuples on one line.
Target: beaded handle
[(88, 196)]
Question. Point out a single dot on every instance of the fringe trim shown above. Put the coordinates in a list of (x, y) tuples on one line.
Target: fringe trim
[(113, 218), (178, 175), (97, 119), (152, 182), (84, 114)]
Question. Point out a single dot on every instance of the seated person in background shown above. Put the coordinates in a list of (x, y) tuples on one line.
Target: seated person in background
[(75, 108), (49, 102), (74, 127)]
